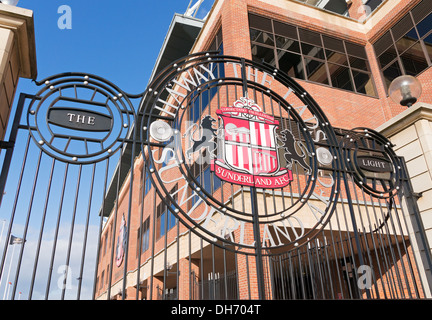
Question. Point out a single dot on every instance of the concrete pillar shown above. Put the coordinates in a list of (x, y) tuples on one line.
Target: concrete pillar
[(17, 56), (411, 133)]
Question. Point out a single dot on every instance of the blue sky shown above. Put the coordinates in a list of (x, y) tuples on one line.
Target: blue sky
[(118, 40)]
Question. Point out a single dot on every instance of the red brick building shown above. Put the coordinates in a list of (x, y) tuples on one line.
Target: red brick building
[(344, 54)]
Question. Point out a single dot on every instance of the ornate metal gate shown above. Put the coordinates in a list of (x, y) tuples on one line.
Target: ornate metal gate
[(223, 180)]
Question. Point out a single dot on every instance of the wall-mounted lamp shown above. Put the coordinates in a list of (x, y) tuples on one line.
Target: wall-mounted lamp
[(405, 90)]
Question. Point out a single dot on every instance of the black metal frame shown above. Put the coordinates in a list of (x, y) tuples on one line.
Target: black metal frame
[(314, 253)]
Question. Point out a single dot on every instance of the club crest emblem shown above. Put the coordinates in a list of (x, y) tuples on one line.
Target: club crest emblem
[(248, 150)]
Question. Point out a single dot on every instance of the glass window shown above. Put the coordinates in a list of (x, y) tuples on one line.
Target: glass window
[(414, 60), (388, 56), (312, 51), (315, 57), (428, 44), (316, 71), (340, 77), (291, 64), (363, 83), (407, 41), (359, 63), (265, 54), (287, 44), (336, 57), (411, 41), (392, 72), (425, 26), (261, 37)]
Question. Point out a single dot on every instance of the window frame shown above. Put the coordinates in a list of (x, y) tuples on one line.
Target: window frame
[(305, 37)]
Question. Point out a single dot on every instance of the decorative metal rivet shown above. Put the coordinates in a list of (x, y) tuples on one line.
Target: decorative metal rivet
[(74, 158), (161, 131), (296, 244), (150, 90), (41, 142), (175, 65), (282, 215), (176, 210), (120, 95), (52, 87), (144, 128), (155, 93), (86, 77), (47, 82), (86, 82), (198, 189), (32, 112), (115, 98), (152, 170), (125, 125), (109, 150)]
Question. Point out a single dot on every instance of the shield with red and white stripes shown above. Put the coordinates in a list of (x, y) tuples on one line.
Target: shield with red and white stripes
[(250, 143)]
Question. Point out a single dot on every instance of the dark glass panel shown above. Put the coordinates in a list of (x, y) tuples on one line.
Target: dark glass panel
[(388, 56), (392, 72), (428, 44), (291, 64), (261, 37), (364, 83), (285, 30), (414, 60), (359, 63), (312, 51), (425, 26), (407, 41), (287, 44), (316, 71), (336, 57), (260, 54), (333, 44), (340, 77)]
